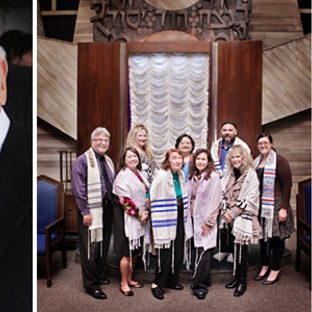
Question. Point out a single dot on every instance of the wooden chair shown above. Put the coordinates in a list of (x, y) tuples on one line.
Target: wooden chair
[(50, 221), (303, 220)]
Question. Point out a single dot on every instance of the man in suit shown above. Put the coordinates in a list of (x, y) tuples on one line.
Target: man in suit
[(15, 208), (18, 49)]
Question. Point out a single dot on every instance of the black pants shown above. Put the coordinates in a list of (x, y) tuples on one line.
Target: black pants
[(202, 276), (164, 277), (93, 268), (241, 263), (226, 238), (276, 245)]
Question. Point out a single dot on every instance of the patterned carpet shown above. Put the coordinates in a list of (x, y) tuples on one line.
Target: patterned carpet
[(290, 293)]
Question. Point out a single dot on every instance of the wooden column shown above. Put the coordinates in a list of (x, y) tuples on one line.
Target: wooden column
[(236, 91)]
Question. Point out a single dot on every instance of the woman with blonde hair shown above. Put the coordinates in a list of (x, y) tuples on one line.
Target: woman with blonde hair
[(240, 206), (138, 138)]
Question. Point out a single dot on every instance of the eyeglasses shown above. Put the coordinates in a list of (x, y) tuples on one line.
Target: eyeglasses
[(101, 140)]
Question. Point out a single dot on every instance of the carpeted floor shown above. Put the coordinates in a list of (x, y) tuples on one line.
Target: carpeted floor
[(290, 293)]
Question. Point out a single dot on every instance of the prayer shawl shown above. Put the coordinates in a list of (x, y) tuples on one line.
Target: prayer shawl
[(246, 228), (164, 211), (95, 197), (127, 184), (206, 205), (267, 199), (216, 153), (164, 214)]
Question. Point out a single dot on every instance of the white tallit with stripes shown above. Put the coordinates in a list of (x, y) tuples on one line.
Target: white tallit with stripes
[(94, 192)]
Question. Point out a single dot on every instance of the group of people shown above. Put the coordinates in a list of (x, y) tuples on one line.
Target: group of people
[(180, 211)]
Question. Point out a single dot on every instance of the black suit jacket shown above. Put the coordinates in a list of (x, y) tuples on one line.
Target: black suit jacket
[(16, 221), (19, 102)]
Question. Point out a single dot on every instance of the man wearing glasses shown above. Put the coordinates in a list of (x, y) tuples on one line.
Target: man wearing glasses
[(92, 178)]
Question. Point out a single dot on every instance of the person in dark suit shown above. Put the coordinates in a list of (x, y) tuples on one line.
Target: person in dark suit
[(18, 49), (15, 208), (19, 102)]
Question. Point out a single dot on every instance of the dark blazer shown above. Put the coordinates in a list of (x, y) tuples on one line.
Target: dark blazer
[(19, 87), (16, 221)]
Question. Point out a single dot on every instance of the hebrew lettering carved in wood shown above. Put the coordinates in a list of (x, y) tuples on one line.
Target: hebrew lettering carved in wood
[(136, 20)]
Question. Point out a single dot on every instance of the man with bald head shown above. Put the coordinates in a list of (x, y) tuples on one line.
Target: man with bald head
[(15, 208), (221, 146)]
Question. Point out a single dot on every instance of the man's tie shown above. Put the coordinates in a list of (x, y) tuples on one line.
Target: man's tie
[(106, 179)]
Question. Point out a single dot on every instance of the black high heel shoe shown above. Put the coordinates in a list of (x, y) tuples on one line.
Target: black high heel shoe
[(266, 282), (262, 277)]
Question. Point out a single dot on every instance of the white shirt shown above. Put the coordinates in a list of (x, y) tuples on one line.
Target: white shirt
[(4, 126)]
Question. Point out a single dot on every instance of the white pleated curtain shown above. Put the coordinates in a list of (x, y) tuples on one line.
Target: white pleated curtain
[(169, 95)]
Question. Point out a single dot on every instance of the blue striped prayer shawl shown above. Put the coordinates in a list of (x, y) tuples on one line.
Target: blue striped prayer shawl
[(164, 220)]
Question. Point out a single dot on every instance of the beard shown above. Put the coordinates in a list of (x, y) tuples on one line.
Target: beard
[(228, 140)]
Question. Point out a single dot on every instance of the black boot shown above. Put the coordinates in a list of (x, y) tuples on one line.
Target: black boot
[(233, 284), (241, 270), (241, 288)]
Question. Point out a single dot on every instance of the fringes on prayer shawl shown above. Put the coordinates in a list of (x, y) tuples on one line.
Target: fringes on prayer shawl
[(163, 245), (95, 238), (197, 260), (234, 264), (187, 254), (144, 255), (158, 260), (134, 244), (96, 235), (172, 261), (89, 246)]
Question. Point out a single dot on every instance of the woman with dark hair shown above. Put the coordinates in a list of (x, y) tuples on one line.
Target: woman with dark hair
[(240, 205), (205, 194), (276, 216), (171, 222), (131, 227), (186, 145)]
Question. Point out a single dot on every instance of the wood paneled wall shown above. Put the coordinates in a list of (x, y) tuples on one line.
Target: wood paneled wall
[(274, 21), (99, 94), (292, 139), (237, 88), (49, 142)]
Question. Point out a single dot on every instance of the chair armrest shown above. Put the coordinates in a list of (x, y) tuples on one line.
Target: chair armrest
[(49, 229), (53, 242), (54, 225)]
